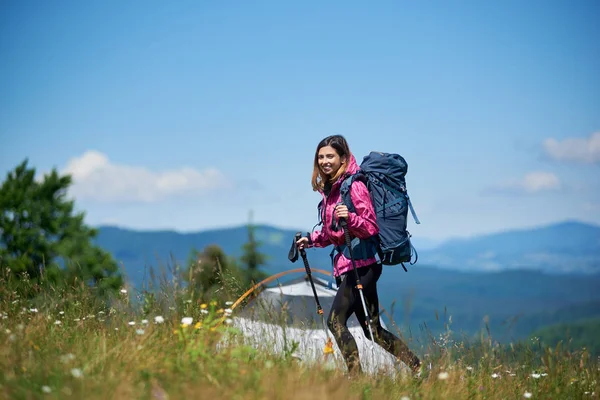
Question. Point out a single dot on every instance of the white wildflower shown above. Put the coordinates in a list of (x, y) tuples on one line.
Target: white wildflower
[(228, 321), (228, 311), (124, 291), (228, 303), (76, 320), (204, 311), (144, 322), (187, 320), (494, 375), (443, 375), (57, 322), (46, 389), (77, 373), (469, 368), (535, 376), (33, 310), (61, 313), (404, 398), (131, 323), (139, 331), (527, 395), (159, 319)]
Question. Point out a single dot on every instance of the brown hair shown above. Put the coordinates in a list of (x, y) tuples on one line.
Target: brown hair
[(338, 142)]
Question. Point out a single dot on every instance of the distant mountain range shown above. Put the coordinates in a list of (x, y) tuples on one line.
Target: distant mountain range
[(522, 280), (568, 247)]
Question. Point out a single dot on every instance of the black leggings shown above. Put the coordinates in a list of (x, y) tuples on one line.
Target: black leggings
[(347, 301)]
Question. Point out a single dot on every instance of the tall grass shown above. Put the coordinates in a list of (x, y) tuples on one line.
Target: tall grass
[(64, 343)]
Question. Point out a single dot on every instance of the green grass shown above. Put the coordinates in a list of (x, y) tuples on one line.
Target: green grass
[(94, 353)]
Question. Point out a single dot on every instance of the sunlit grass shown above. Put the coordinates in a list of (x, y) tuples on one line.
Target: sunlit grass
[(65, 344)]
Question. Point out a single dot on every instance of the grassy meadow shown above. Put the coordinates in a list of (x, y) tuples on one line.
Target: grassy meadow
[(64, 343)]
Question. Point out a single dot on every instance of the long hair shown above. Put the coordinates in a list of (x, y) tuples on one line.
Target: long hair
[(339, 143)]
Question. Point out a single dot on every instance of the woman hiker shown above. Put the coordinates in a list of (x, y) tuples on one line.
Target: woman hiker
[(333, 162)]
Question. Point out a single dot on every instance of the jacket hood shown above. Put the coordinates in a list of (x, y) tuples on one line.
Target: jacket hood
[(352, 165)]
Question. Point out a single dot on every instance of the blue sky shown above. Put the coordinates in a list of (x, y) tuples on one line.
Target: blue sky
[(186, 115)]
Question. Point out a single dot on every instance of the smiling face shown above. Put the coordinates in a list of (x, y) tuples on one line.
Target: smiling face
[(329, 161)]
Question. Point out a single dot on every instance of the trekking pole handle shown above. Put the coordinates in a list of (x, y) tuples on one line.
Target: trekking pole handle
[(297, 237), (344, 225), (347, 237), (303, 254)]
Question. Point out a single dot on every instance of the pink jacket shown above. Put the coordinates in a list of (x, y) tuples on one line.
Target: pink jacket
[(362, 224)]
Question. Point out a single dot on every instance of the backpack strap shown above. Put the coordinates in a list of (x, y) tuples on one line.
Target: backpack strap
[(345, 189), (398, 200)]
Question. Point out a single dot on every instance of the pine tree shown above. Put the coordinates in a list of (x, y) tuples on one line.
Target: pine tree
[(43, 239), (251, 257)]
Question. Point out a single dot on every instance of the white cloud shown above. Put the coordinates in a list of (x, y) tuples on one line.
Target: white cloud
[(531, 183), (579, 150), (95, 177), (535, 182)]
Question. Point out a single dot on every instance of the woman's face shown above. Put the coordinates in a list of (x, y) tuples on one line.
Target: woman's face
[(329, 161)]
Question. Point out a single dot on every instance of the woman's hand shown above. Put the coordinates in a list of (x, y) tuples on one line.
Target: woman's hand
[(341, 211), (302, 243)]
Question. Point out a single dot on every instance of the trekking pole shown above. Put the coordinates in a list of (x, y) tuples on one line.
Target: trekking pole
[(329, 344), (359, 286)]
